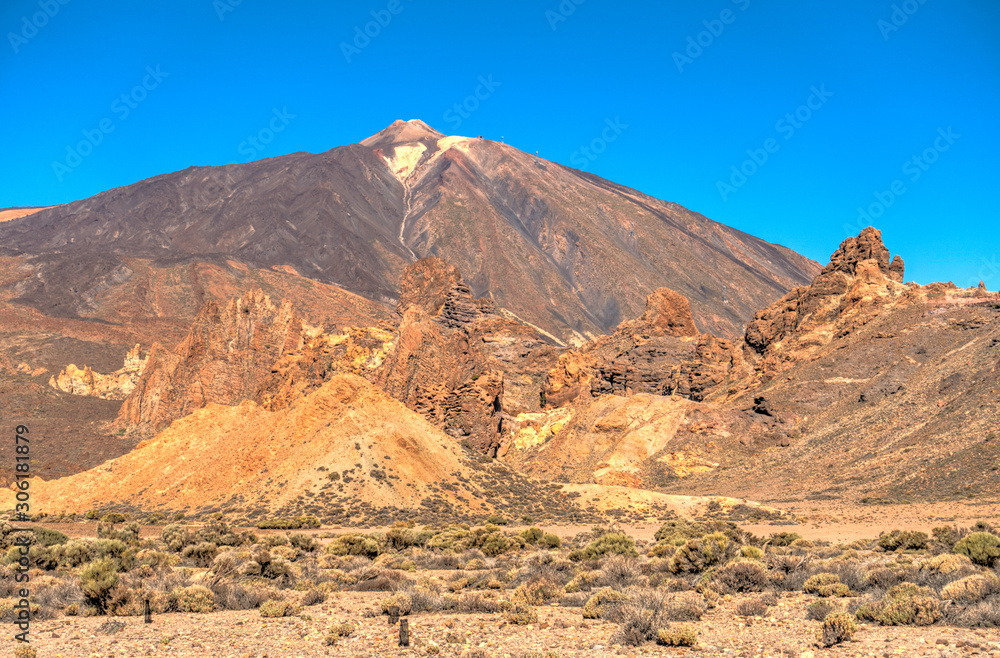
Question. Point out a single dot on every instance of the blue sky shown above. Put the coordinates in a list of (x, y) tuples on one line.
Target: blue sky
[(780, 118)]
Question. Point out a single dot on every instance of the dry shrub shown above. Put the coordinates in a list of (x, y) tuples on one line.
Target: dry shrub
[(236, 596), (819, 610), (537, 591), (518, 612), (984, 614), (696, 555), (476, 603), (753, 607), (194, 599), (837, 627), (313, 596), (972, 589), (597, 606), (639, 616), (279, 608), (740, 575), (621, 571), (677, 636), (904, 604)]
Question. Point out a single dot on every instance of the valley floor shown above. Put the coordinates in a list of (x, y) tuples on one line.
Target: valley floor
[(560, 631)]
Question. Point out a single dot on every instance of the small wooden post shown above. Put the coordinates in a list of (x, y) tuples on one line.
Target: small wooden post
[(393, 614), (147, 611), (404, 632)]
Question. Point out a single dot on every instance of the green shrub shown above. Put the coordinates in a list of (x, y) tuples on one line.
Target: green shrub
[(751, 552), (113, 517), (983, 548), (74, 553), (354, 544), (903, 540), (202, 554), (194, 599), (683, 635), (551, 541), (837, 627), (696, 555), (303, 542), (826, 584), (612, 543), (532, 535), (97, 580), (904, 604), (783, 538), (49, 537), (176, 537), (496, 519)]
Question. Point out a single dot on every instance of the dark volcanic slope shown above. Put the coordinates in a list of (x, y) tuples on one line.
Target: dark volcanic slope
[(564, 250)]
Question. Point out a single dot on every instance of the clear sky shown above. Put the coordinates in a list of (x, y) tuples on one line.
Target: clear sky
[(779, 117)]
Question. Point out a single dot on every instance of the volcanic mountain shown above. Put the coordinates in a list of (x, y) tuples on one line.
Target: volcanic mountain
[(566, 251)]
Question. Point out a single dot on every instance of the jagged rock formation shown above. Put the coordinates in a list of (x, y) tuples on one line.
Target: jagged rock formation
[(852, 289), (346, 453), (115, 386), (660, 353), (224, 359)]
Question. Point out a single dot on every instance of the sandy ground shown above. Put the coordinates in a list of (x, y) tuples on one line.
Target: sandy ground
[(785, 632)]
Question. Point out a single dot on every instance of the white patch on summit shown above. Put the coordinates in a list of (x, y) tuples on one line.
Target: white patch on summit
[(404, 159), (454, 140)]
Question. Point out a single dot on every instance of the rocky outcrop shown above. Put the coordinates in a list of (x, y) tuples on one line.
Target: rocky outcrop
[(859, 279), (450, 359), (225, 358), (660, 353), (114, 386)]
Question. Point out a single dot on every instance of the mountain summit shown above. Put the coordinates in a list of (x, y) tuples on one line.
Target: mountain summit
[(567, 251)]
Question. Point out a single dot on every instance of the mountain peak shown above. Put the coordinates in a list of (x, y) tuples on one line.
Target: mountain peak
[(403, 132)]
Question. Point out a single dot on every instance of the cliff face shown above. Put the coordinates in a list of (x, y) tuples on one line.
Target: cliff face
[(224, 359)]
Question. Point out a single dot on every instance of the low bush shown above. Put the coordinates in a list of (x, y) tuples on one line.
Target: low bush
[(819, 610), (903, 540), (983, 548), (905, 604), (826, 584), (754, 607), (597, 605), (279, 608), (612, 543), (97, 579), (677, 636), (696, 555), (519, 613), (741, 575), (837, 627), (194, 599)]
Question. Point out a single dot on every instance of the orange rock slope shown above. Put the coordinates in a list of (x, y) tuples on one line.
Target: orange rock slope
[(346, 452)]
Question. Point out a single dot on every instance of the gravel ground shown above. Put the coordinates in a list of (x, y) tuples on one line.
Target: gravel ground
[(785, 632)]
